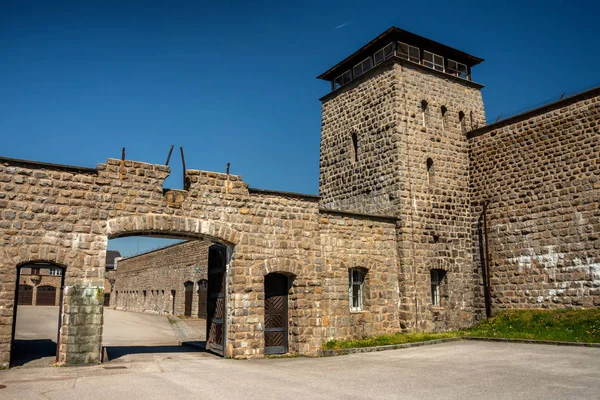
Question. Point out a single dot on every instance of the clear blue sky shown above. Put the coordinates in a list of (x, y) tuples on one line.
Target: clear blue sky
[(234, 81)]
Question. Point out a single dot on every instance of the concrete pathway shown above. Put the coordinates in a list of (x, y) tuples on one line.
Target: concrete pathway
[(456, 370), (125, 334)]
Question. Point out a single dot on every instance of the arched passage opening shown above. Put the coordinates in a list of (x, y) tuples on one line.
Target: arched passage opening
[(37, 314), (164, 263)]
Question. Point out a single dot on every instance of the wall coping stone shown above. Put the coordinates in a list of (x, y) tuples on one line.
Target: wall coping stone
[(587, 94), (310, 197), (44, 165), (386, 218)]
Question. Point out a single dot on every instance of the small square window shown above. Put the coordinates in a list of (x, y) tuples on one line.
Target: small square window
[(356, 280), (433, 61), (383, 54), (408, 52)]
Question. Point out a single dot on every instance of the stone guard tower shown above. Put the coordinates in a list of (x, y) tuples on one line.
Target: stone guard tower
[(393, 142)]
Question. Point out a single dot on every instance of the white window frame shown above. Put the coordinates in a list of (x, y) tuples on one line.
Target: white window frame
[(434, 63), (340, 77), (360, 284), (437, 277), (456, 70), (408, 56), (383, 53), (362, 68)]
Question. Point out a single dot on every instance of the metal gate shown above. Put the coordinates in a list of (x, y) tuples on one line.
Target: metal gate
[(189, 295), (46, 296), (215, 324), (202, 287), (276, 314), (25, 295)]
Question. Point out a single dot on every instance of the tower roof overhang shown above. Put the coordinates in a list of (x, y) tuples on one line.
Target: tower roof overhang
[(397, 34)]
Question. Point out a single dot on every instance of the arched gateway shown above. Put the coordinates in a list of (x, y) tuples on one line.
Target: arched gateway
[(261, 231)]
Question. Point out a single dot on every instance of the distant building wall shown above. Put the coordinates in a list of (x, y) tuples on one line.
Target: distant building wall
[(42, 279), (149, 282), (541, 175)]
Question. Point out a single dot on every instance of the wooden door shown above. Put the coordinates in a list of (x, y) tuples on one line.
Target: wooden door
[(216, 302), (106, 299), (189, 295), (46, 296), (276, 314), (25, 295), (202, 287)]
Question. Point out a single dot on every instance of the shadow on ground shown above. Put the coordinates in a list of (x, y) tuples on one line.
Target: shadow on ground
[(36, 352), (114, 352)]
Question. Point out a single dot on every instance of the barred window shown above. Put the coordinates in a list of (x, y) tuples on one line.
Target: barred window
[(433, 61), (437, 277), (56, 271), (356, 280), (408, 52), (384, 53)]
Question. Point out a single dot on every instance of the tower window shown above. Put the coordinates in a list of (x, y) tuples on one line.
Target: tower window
[(433, 61), (354, 151), (424, 105), (408, 52), (457, 69), (437, 277), (461, 120), (362, 67), (355, 288), (444, 110), (430, 170), (342, 79), (384, 54)]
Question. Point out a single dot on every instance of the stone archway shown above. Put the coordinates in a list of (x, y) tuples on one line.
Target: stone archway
[(182, 298)]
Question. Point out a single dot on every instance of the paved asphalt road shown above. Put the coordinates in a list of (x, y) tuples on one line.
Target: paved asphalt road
[(455, 370)]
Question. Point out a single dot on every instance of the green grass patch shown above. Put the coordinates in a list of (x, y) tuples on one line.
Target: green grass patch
[(384, 340), (553, 325)]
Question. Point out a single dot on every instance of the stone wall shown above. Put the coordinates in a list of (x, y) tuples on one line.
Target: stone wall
[(540, 173), (147, 282), (65, 215)]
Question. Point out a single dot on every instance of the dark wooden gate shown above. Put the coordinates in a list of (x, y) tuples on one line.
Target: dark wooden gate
[(276, 314), (25, 295), (106, 299), (189, 295), (215, 323), (202, 287), (46, 296)]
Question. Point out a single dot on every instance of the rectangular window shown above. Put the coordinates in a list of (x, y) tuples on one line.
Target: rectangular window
[(408, 52), (362, 67), (437, 276), (356, 289), (433, 61), (342, 80), (55, 271), (457, 69), (383, 54), (35, 271)]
